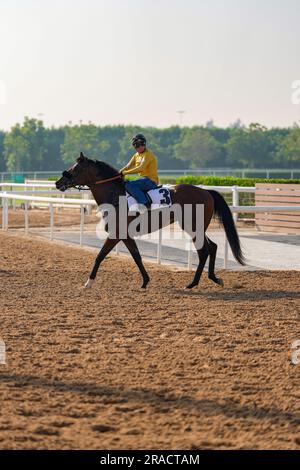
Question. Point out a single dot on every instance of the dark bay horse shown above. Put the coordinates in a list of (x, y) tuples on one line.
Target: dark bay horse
[(107, 185)]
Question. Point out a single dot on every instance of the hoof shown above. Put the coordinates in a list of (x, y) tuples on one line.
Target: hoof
[(217, 280), (144, 285), (89, 283), (190, 286)]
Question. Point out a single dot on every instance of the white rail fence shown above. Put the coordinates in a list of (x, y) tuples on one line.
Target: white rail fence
[(84, 203), (34, 187), (51, 201), (41, 187)]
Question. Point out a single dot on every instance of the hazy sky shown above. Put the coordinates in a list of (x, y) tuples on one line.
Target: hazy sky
[(140, 61)]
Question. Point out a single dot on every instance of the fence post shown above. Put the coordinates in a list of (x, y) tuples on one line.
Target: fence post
[(159, 246), (33, 191), (6, 214), (81, 224), (14, 204), (190, 255), (87, 195), (235, 201), (4, 206), (26, 217), (51, 220)]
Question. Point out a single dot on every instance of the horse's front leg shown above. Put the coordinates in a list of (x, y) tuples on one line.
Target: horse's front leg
[(106, 248)]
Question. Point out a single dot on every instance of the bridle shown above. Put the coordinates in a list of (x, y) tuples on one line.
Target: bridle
[(66, 174)]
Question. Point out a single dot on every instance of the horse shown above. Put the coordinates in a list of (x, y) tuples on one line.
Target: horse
[(107, 185)]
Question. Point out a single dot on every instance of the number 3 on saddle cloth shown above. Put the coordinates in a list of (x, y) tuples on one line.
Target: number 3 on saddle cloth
[(159, 197)]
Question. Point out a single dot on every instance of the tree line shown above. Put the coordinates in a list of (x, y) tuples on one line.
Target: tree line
[(31, 146)]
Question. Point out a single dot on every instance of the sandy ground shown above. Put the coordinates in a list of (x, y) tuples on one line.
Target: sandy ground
[(119, 368)]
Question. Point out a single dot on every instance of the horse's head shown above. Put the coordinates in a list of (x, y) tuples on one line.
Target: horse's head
[(82, 173)]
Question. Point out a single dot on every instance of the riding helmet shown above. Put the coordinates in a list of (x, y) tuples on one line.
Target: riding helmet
[(138, 139)]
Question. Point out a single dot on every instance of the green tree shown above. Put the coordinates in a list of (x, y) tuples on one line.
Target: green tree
[(198, 148), (251, 147), (54, 138), (85, 138), (113, 135), (163, 142), (16, 150), (30, 146), (221, 135), (24, 146), (289, 148)]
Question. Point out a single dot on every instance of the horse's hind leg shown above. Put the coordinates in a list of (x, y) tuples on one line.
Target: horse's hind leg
[(212, 248), (134, 251), (202, 255)]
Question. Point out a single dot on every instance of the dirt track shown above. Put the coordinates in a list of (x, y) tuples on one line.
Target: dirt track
[(115, 367)]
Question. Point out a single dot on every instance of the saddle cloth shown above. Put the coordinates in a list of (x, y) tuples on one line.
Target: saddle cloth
[(159, 197)]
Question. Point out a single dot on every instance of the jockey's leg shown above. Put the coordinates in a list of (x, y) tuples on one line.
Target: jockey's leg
[(136, 189)]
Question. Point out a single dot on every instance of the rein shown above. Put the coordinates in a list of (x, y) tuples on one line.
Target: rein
[(108, 179), (81, 188)]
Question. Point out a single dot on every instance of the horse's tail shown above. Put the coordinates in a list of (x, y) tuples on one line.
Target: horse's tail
[(224, 214)]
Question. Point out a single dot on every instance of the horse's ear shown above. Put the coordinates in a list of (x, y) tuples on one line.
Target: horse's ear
[(81, 156)]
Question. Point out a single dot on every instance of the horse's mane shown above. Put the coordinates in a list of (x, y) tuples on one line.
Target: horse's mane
[(105, 170)]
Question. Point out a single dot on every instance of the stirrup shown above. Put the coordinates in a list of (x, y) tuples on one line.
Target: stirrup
[(137, 208)]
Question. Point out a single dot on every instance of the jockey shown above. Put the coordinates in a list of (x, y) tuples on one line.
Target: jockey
[(144, 163)]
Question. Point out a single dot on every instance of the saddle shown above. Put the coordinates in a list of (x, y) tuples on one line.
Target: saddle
[(158, 198)]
